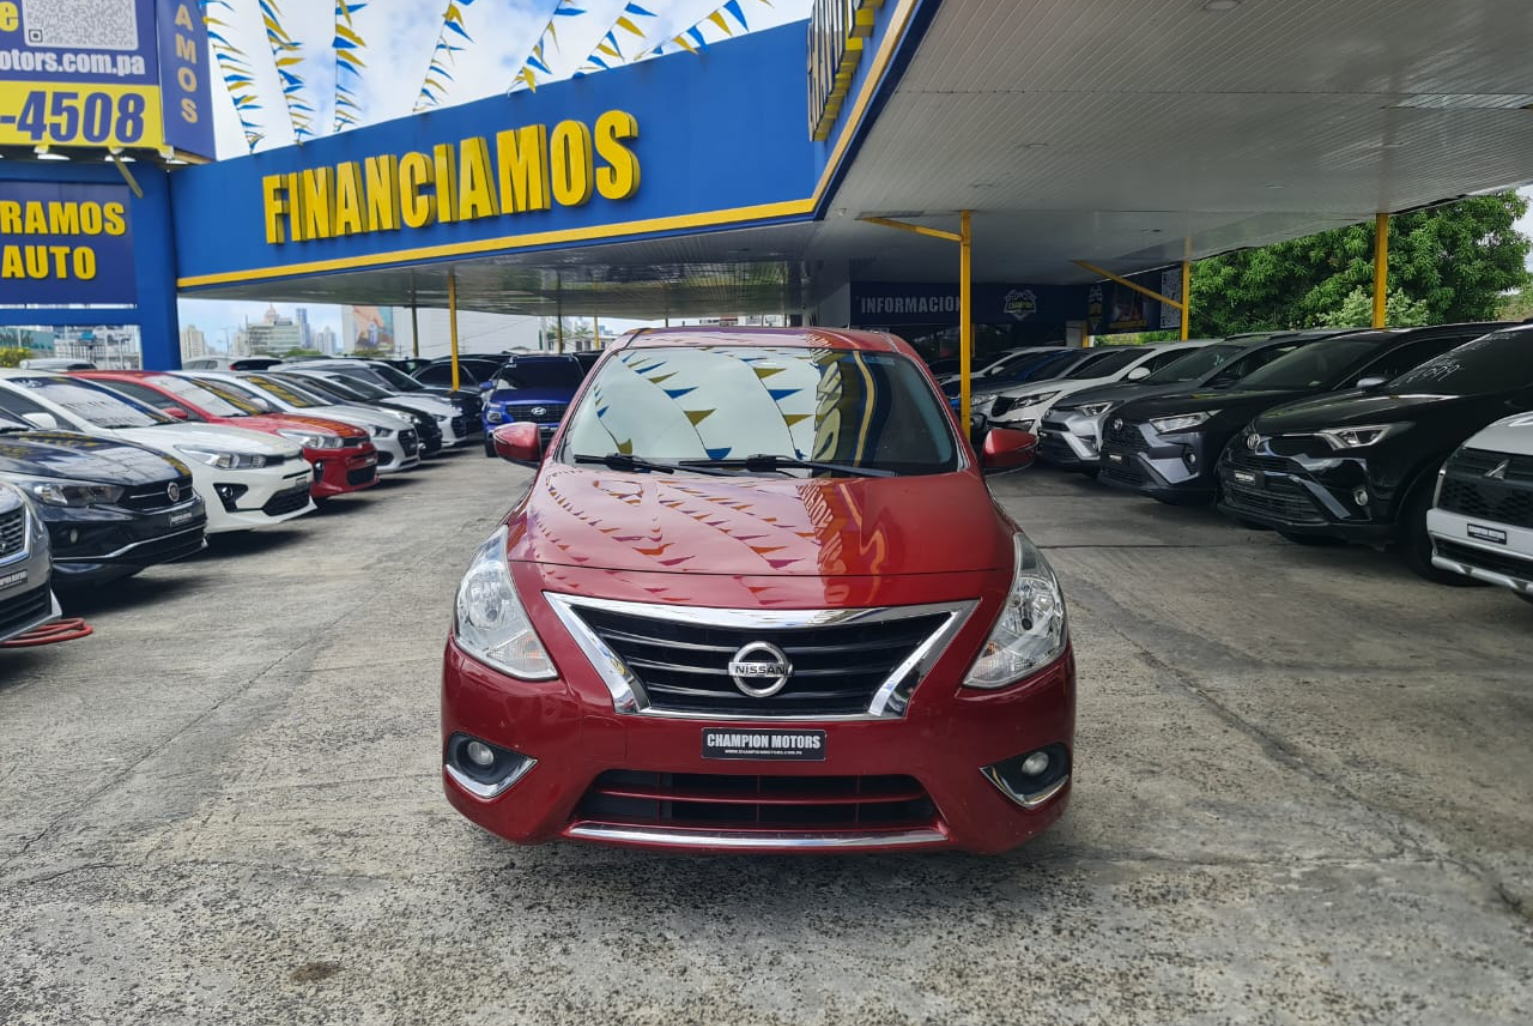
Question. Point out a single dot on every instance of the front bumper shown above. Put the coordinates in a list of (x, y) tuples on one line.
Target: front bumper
[(399, 452), (25, 598), (99, 543), (1281, 493), (938, 748), (1071, 441), (242, 500), (1176, 468), (1461, 545), (338, 471)]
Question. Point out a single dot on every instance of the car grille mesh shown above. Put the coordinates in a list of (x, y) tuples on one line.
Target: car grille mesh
[(1052, 446), (1124, 435), (283, 503), (24, 609), (1495, 562), (1504, 500), (13, 531), (154, 497), (683, 666), (552, 413), (731, 802)]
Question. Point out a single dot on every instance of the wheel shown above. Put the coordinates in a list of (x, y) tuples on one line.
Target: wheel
[(489, 446), (1316, 540), (1415, 544)]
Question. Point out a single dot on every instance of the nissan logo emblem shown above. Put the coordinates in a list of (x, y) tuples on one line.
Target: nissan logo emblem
[(173, 492), (760, 669)]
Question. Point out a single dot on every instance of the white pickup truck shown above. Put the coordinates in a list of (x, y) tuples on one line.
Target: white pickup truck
[(1482, 521)]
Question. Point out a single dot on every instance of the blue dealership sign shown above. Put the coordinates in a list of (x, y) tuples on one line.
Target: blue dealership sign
[(890, 303), (65, 242)]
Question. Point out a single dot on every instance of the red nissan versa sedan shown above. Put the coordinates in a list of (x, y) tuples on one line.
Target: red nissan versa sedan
[(343, 457), (759, 598)]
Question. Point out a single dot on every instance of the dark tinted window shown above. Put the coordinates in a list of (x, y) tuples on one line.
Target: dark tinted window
[(565, 373), (1409, 356), (1107, 363), (1190, 366), (1325, 364), (149, 397), (869, 409), (90, 402), (289, 393), (1498, 361)]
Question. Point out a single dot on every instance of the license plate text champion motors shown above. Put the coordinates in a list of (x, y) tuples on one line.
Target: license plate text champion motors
[(779, 745)]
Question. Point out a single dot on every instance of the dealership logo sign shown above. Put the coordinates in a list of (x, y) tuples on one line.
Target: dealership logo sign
[(1021, 303), (760, 669)]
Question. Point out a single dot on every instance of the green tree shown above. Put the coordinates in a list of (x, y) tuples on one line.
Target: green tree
[(298, 351), (1400, 311), (1455, 261), (12, 357), (1517, 306)]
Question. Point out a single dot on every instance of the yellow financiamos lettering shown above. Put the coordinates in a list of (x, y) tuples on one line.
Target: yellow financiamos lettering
[(519, 170)]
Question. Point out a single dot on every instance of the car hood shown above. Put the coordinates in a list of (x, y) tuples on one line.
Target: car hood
[(841, 527), (1235, 401), (210, 436), (1117, 394), (530, 395), (65, 454), (365, 417), (268, 423), (1512, 435), (1344, 409)]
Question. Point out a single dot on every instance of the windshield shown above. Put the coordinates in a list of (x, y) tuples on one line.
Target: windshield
[(93, 403), (284, 391), (210, 402), (350, 387), (565, 373), (1493, 363), (872, 410), (396, 378), (1193, 366), (1323, 365), (1107, 363)]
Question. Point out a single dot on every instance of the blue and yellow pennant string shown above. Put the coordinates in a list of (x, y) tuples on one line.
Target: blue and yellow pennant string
[(536, 63), (288, 55), (609, 52), (239, 78), (434, 88), (695, 39), (348, 46)]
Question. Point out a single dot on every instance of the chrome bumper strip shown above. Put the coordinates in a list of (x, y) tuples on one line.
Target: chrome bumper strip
[(756, 841)]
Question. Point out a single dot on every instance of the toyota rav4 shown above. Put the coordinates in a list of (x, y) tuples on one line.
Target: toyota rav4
[(758, 597)]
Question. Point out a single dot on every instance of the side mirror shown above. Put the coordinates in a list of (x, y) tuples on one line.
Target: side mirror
[(42, 421), (1371, 382), (1137, 374), (1005, 449), (518, 443), (176, 412)]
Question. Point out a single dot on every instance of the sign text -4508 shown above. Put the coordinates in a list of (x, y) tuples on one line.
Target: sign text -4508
[(102, 116)]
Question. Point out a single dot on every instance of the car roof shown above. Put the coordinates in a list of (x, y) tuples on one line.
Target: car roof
[(816, 338)]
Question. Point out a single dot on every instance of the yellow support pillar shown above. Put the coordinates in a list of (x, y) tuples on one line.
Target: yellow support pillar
[(965, 314), (1186, 300), (452, 322), (595, 331), (1380, 270)]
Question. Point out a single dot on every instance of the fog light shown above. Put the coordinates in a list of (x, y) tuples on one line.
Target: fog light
[(1032, 778), (74, 536), (482, 769), (1192, 459), (1360, 496)]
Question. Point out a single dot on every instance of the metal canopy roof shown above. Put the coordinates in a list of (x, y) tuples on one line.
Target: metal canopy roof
[(1106, 130)]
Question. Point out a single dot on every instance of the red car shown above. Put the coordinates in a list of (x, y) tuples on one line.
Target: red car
[(759, 598), (343, 457)]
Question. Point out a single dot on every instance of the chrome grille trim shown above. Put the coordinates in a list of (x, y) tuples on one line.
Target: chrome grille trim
[(889, 701), (779, 840)]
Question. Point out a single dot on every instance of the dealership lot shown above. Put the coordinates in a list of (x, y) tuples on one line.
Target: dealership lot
[(1301, 797)]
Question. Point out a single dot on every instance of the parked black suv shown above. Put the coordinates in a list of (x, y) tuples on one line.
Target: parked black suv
[(1168, 448), (111, 508), (1070, 435), (1363, 466)]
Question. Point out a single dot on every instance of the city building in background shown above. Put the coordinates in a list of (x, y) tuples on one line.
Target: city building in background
[(273, 335), (194, 342)]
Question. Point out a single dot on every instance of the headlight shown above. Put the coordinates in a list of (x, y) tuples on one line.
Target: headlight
[(1033, 400), (491, 624), (312, 440), (441, 418), (494, 416), (1031, 631), (71, 493), (1359, 437), (1093, 409), (1168, 425), (224, 460), (382, 432)]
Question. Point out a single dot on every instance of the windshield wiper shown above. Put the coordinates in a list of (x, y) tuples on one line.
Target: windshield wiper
[(765, 461), (623, 461)]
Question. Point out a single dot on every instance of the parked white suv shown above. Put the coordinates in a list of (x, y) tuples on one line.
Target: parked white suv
[(1482, 520)]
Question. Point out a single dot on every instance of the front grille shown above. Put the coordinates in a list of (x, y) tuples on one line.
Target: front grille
[(1052, 446), (283, 503), (155, 497), (1282, 499), (1479, 462), (409, 442), (838, 668), (471, 406), (552, 413), (744, 803), (1124, 434), (13, 531), (24, 609), (1487, 499), (1127, 472), (1002, 404), (1522, 569), (184, 543), (460, 426), (1246, 460), (361, 475)]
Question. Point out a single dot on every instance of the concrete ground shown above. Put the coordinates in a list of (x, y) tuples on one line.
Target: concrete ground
[(1303, 797)]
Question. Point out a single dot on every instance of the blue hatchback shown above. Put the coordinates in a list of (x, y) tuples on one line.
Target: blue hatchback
[(531, 388)]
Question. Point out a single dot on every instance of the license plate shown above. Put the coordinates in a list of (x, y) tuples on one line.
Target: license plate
[(1245, 477), (776, 745), (1113, 457), (12, 580), (186, 517), (1489, 534)]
